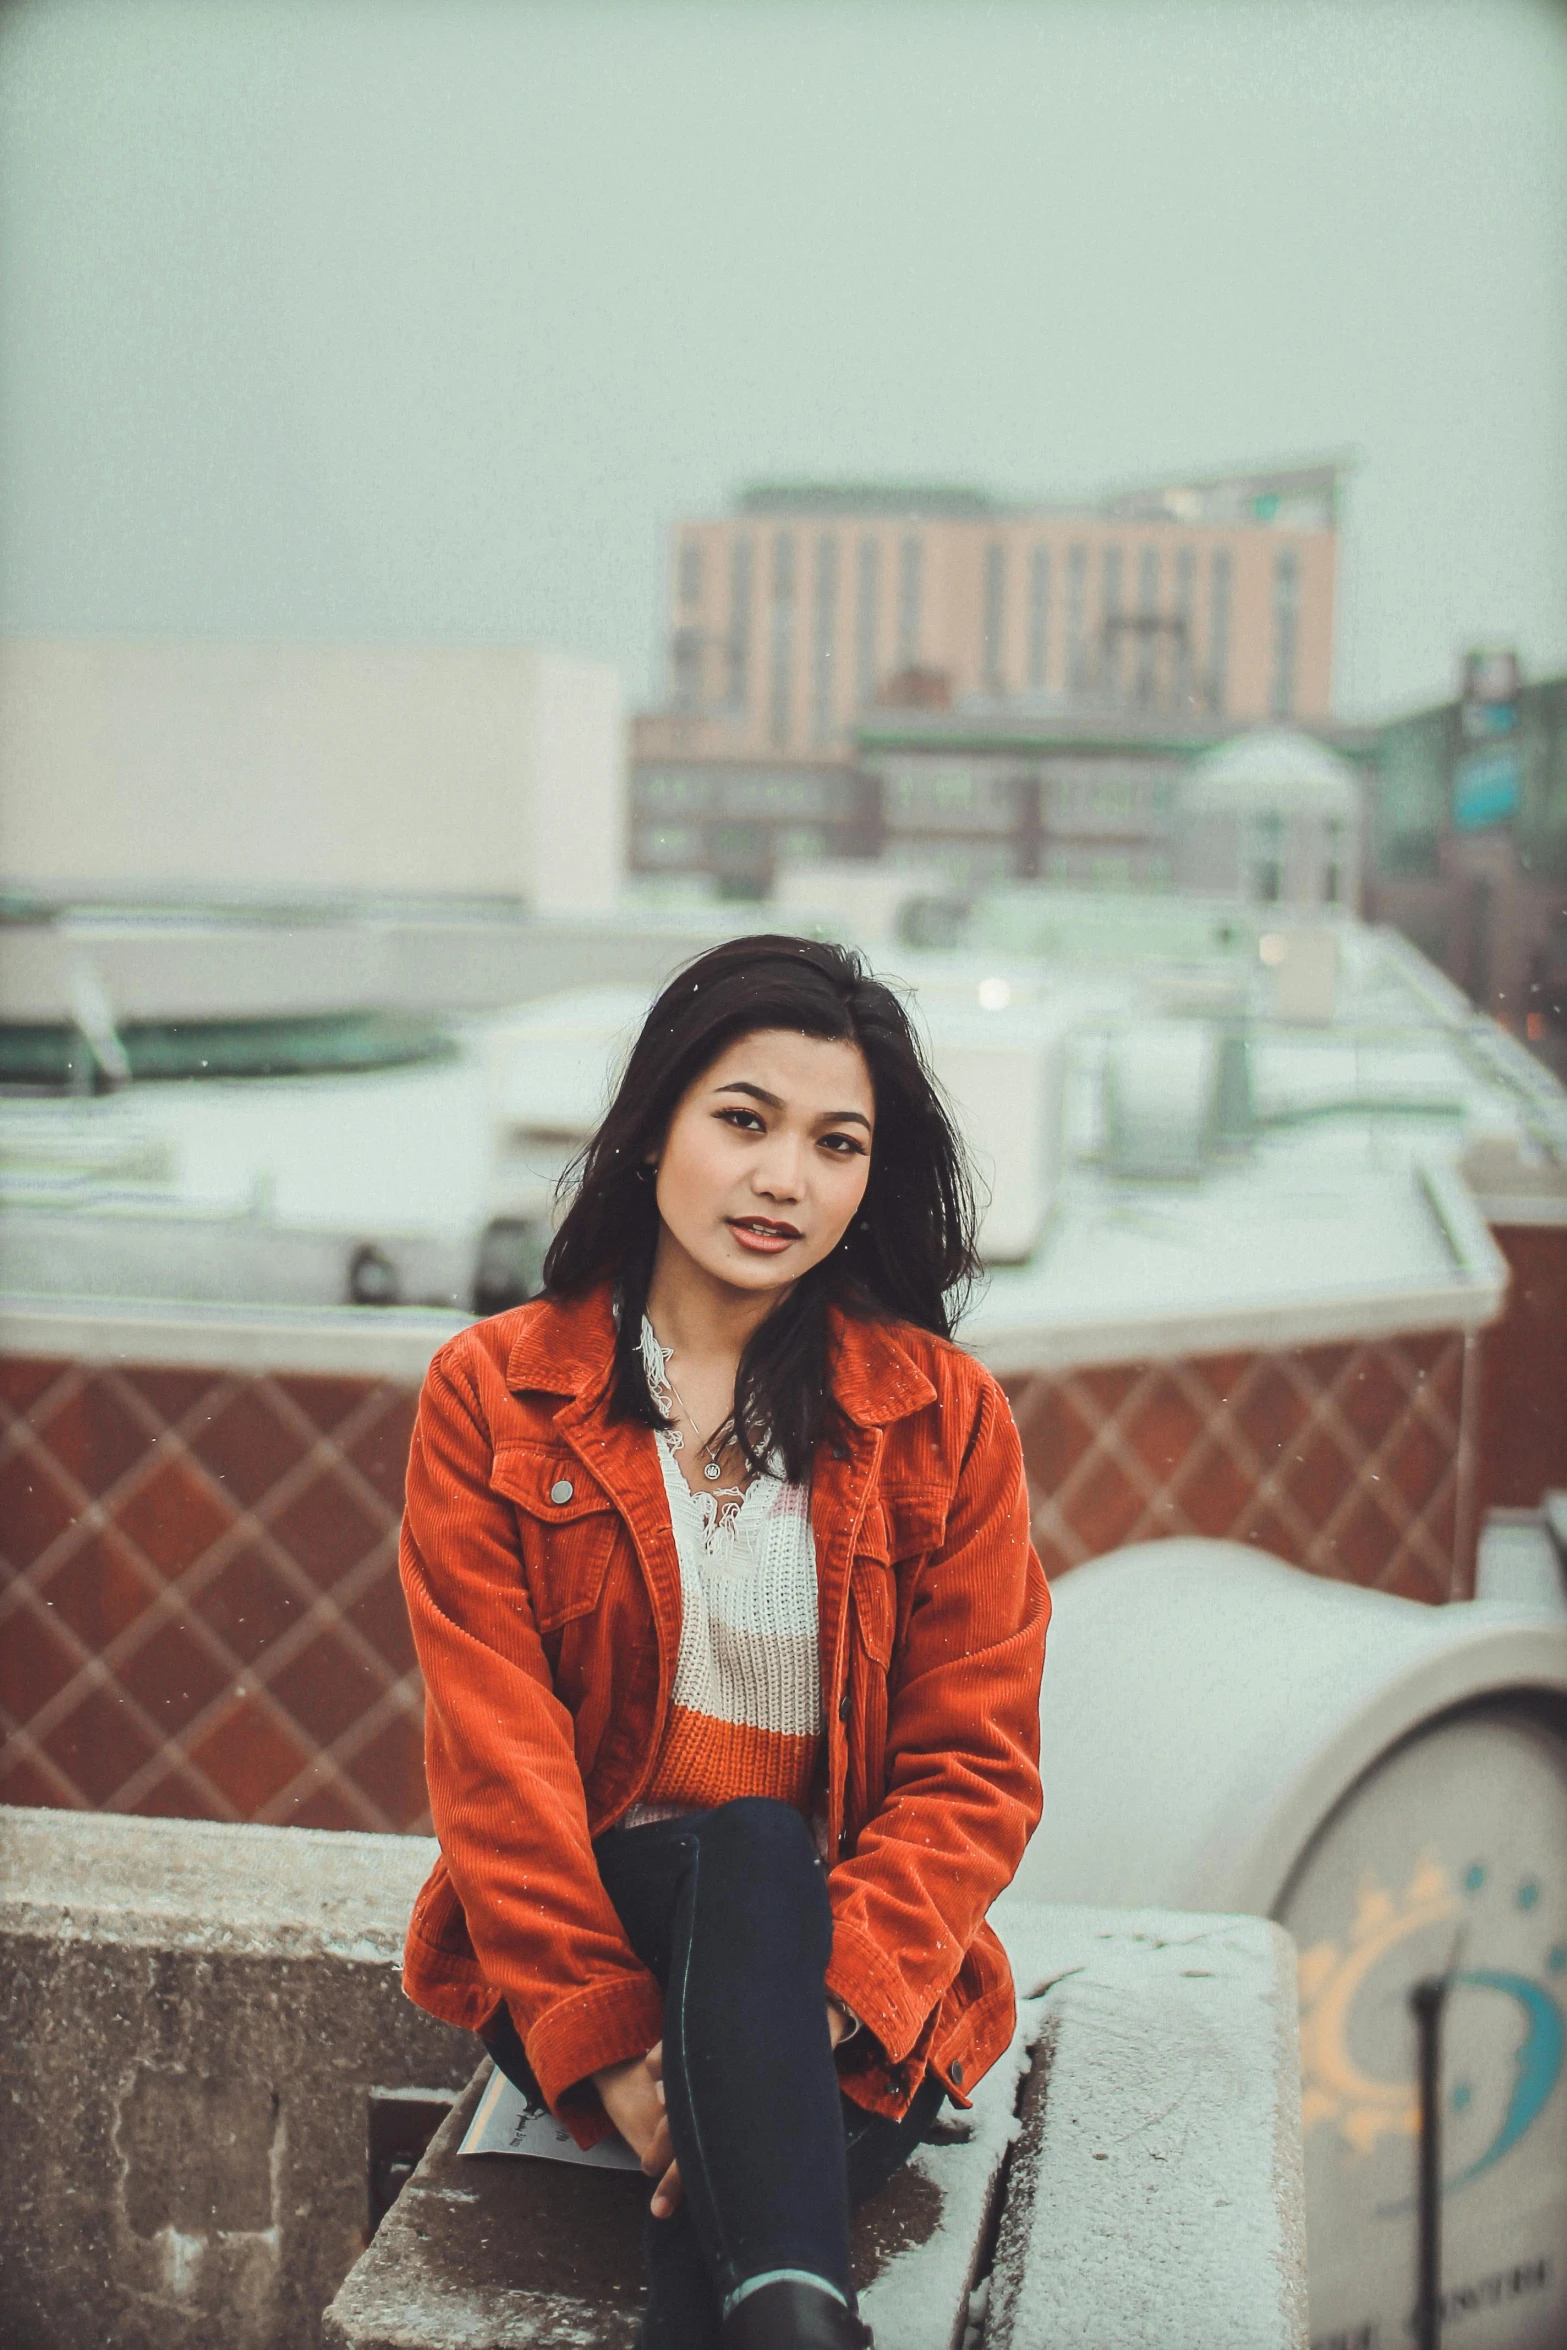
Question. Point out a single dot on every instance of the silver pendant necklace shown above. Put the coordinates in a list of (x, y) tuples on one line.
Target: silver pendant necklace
[(713, 1466)]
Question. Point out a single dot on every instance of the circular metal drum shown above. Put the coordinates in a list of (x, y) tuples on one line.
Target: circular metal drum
[(1390, 1782)]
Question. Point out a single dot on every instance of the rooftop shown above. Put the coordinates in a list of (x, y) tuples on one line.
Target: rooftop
[(922, 498), (1333, 1208), (1273, 767), (1302, 494)]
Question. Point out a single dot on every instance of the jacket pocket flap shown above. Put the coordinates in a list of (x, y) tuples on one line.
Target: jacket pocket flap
[(916, 1519), (549, 1484)]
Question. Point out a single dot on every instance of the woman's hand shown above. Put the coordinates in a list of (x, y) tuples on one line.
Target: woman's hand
[(633, 2096)]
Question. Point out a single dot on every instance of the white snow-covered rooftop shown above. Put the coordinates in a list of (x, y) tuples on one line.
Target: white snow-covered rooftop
[(1287, 1248), (1340, 1216)]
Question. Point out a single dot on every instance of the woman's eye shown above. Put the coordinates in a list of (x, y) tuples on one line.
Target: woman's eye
[(747, 1121), (844, 1146)]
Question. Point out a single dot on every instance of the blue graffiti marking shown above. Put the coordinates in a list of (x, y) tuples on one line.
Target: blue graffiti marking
[(1536, 2066)]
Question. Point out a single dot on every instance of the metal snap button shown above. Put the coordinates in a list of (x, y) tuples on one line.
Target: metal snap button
[(562, 1490), (956, 2070)]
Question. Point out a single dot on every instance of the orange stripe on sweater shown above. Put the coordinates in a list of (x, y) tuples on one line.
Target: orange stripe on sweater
[(704, 1762)]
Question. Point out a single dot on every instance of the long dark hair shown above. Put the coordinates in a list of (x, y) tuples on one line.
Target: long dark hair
[(909, 1253)]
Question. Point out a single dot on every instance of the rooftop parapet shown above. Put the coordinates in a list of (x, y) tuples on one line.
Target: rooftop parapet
[(195, 2017), (1128, 2175)]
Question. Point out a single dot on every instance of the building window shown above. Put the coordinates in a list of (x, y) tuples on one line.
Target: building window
[(685, 668), (1286, 631), (1267, 863), (741, 848), (1077, 620), (1218, 630), (824, 638), (951, 799), (995, 618), (666, 845), (664, 794), (867, 606), (781, 686), (779, 796), (1112, 620), (911, 586), (1038, 618), (800, 844), (1146, 686), (1333, 866), (1181, 652), (740, 587), (690, 569)]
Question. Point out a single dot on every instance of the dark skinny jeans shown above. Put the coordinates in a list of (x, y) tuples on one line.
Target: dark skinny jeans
[(728, 1909)]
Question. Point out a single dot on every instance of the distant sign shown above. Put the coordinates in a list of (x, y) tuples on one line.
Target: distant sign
[(1487, 787), (1488, 704), (1491, 674)]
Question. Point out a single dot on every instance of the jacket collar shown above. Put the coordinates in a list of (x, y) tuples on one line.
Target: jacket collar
[(566, 1346)]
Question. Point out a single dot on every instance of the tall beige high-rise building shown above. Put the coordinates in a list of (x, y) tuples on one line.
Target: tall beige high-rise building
[(1195, 600)]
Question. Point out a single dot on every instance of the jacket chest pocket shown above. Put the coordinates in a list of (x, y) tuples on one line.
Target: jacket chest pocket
[(899, 1528), (568, 1528), (899, 1531)]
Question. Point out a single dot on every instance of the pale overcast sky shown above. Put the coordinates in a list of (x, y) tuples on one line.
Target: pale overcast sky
[(366, 318)]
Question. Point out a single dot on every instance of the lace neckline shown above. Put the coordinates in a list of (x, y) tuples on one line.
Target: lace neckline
[(719, 1513)]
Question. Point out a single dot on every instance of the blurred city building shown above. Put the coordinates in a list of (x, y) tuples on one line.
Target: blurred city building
[(479, 771), (799, 623), (1277, 1241), (1093, 801), (1468, 843), (1274, 818)]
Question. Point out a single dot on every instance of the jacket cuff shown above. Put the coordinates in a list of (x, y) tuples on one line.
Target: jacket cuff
[(607, 2023), (859, 1975)]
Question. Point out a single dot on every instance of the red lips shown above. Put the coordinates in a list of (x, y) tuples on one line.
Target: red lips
[(762, 1234)]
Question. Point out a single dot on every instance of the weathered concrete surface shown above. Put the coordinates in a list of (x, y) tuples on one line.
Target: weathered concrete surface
[(497, 2253), (1156, 2194), (1150, 2191), (193, 2017)]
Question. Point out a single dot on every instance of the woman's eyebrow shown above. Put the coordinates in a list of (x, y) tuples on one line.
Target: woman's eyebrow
[(759, 1093)]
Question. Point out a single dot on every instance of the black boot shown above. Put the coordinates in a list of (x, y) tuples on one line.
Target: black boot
[(791, 2315)]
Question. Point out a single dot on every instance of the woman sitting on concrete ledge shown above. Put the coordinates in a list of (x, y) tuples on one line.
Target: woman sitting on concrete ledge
[(718, 1561)]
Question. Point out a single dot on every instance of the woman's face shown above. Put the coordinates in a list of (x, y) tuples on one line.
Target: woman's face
[(766, 1158)]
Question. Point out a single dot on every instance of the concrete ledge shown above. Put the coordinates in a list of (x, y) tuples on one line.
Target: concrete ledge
[(194, 2016), (1157, 2196), (1130, 2175), (369, 1342), (494, 2253)]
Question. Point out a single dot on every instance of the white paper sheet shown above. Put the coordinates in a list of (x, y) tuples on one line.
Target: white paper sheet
[(505, 2123)]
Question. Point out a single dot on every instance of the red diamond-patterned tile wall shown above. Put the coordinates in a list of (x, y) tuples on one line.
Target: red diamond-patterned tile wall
[(1354, 1462), (199, 1610)]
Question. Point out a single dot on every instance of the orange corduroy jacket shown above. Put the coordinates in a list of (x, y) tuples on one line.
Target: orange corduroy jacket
[(543, 1586)]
